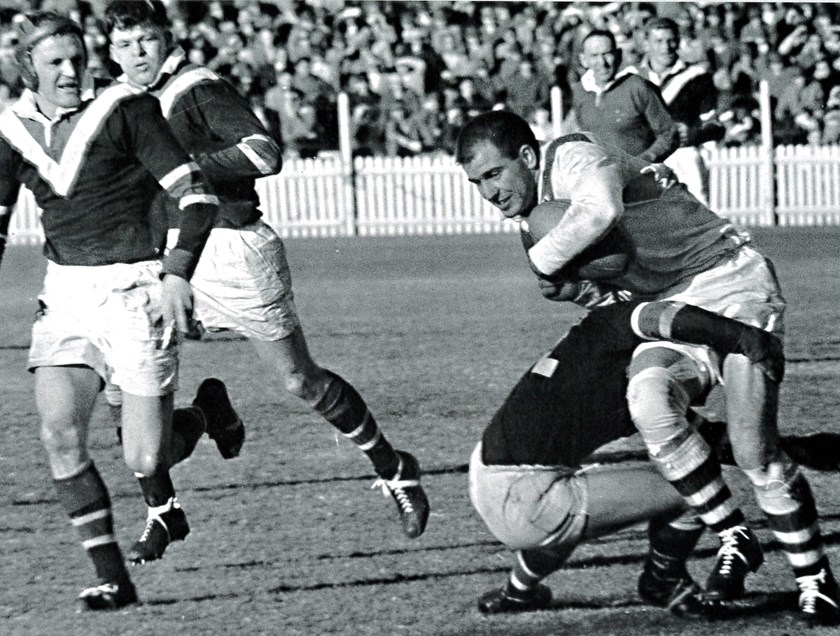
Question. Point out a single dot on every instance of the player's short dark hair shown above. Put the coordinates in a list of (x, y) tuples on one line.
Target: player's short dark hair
[(601, 33), (34, 28), (662, 23), (127, 14), (504, 129)]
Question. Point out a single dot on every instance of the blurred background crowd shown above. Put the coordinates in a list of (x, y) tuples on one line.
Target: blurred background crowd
[(414, 71)]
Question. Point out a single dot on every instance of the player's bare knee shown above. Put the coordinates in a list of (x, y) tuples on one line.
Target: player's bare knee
[(657, 404), (307, 384), (61, 438), (142, 461)]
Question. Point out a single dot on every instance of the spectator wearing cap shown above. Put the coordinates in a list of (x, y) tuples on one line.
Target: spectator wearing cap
[(621, 108)]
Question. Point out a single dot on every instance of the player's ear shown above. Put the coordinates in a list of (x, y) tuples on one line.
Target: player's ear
[(529, 156)]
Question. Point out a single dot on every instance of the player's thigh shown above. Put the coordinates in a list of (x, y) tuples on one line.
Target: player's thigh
[(146, 430), (142, 360), (623, 496), (243, 284), (65, 397)]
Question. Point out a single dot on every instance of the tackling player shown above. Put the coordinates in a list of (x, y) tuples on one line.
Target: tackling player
[(242, 282), (527, 480), (681, 251), (109, 306)]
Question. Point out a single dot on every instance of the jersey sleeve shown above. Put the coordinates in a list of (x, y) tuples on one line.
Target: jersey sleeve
[(247, 149), (9, 188), (155, 146), (660, 121), (702, 93), (595, 184)]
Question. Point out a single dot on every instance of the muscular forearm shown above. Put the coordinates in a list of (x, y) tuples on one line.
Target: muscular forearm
[(670, 320)]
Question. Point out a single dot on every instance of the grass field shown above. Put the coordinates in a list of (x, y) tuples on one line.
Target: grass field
[(289, 539)]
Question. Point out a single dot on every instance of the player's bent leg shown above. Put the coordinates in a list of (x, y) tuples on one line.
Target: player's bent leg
[(523, 591), (785, 496), (212, 411), (338, 402), (65, 397), (147, 432), (663, 383), (150, 448)]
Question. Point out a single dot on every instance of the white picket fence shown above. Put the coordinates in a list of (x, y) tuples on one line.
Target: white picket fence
[(431, 195)]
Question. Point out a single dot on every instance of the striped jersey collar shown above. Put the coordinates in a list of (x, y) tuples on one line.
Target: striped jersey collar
[(169, 67)]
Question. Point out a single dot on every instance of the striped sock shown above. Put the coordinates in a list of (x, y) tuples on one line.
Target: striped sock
[(792, 516), (343, 407), (691, 467), (86, 500)]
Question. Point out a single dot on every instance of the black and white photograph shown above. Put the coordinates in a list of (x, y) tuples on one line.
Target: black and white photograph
[(419, 317)]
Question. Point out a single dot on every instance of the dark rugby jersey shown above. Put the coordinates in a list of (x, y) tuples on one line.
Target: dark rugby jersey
[(218, 129), (691, 97), (95, 171), (573, 400)]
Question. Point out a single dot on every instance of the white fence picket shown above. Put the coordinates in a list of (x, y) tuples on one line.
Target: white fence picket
[(431, 195)]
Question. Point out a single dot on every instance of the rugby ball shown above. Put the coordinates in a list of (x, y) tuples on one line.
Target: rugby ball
[(608, 258)]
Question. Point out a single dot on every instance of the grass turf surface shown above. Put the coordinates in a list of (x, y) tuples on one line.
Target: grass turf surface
[(288, 539)]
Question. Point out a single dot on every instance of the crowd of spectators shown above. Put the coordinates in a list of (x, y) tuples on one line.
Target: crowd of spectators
[(413, 71)]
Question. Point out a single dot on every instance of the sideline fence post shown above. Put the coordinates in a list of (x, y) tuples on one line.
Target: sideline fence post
[(766, 151), (556, 111), (347, 167)]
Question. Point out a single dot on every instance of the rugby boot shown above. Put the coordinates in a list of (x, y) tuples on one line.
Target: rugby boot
[(160, 531), (739, 554), (107, 596), (675, 591), (408, 494), (819, 598), (223, 424), (508, 600)]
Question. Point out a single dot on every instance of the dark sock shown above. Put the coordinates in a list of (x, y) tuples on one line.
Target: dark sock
[(188, 425), (157, 488), (343, 407), (671, 543), (86, 500)]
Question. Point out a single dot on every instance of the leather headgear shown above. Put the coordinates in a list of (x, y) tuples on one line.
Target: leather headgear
[(33, 29)]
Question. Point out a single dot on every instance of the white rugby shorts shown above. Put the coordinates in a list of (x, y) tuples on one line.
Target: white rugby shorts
[(243, 284), (743, 287), (108, 318), (529, 507)]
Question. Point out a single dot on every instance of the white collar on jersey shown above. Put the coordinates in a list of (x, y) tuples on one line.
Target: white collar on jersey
[(27, 106), (587, 81)]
